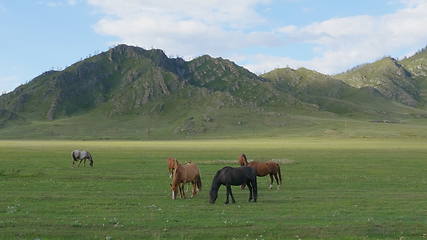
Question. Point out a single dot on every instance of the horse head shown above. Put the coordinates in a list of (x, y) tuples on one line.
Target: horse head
[(171, 164), (174, 190), (175, 184), (213, 195), (243, 161)]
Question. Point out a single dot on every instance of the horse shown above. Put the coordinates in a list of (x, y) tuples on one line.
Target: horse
[(263, 168), (81, 156), (185, 173), (234, 176), (171, 165)]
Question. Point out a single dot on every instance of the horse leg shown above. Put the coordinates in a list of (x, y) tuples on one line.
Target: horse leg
[(80, 162), (194, 192), (179, 190), (231, 194), (182, 190), (250, 190), (255, 188), (277, 181), (271, 181), (228, 193)]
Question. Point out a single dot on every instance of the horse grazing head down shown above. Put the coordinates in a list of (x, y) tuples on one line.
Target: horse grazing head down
[(229, 176), (185, 173), (81, 156)]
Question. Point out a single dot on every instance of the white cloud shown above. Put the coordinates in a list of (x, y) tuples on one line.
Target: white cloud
[(343, 42), (192, 27), (187, 27)]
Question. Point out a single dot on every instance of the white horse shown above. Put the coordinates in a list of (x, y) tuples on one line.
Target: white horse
[(82, 156)]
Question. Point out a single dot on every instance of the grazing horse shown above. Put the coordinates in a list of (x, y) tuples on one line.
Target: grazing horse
[(185, 173), (171, 166), (81, 156), (234, 176), (263, 168)]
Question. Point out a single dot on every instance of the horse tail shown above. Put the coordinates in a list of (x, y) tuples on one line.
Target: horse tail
[(280, 174), (199, 182), (73, 156)]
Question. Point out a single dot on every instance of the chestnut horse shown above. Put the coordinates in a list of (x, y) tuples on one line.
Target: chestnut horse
[(185, 173), (171, 166), (263, 168)]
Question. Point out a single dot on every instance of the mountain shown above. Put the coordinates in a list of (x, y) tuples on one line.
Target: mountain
[(127, 83), (326, 92), (388, 76), (125, 79), (417, 66), (130, 92)]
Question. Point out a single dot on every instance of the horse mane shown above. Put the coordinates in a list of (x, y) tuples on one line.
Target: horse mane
[(215, 178)]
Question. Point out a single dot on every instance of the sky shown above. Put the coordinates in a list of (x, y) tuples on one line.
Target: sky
[(329, 36)]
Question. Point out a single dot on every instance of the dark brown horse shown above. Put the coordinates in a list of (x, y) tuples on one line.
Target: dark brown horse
[(185, 173), (263, 168)]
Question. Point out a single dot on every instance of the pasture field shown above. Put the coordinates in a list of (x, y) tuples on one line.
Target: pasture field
[(334, 188)]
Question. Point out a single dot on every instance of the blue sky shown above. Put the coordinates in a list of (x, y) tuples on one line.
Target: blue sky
[(329, 36)]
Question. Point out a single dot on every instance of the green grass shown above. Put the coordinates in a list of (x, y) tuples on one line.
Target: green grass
[(334, 188)]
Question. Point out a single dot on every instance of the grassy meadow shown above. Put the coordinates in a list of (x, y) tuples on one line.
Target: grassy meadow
[(333, 188)]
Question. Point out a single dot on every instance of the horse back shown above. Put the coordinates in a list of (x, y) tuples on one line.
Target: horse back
[(188, 172), (261, 168), (273, 167), (237, 176)]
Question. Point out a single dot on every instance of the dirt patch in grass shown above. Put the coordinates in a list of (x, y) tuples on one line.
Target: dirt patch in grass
[(235, 162)]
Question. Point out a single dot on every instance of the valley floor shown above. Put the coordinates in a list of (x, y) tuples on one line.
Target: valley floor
[(333, 188)]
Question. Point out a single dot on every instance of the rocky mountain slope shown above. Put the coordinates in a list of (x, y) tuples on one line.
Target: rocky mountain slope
[(388, 76), (131, 89)]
